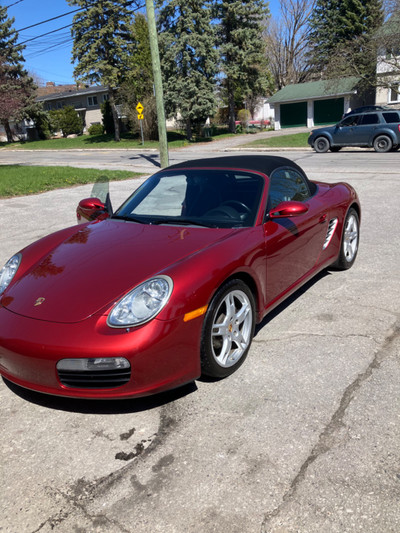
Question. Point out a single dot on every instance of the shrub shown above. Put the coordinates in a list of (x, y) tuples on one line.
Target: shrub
[(244, 116), (96, 129)]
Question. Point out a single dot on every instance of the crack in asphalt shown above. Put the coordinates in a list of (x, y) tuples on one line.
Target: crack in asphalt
[(84, 491), (327, 438), (299, 335)]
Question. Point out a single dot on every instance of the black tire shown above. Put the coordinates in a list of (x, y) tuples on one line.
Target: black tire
[(227, 336), (382, 144), (321, 145), (335, 148), (349, 242)]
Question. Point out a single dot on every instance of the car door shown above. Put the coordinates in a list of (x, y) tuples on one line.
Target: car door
[(292, 244), (367, 127), (345, 133)]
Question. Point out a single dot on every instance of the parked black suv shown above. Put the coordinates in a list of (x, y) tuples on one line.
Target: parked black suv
[(377, 129)]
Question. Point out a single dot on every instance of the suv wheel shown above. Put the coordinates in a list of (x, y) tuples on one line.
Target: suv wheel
[(321, 145), (383, 143)]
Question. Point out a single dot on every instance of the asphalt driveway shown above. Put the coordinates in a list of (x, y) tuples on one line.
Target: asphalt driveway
[(304, 438)]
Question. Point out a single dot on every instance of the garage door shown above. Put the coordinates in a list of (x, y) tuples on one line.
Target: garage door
[(328, 111), (294, 115)]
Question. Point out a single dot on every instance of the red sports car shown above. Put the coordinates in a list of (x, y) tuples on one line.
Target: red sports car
[(171, 285)]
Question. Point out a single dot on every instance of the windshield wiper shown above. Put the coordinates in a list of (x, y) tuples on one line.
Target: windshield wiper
[(182, 222), (129, 218)]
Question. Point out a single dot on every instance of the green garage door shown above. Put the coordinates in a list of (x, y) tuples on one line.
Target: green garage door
[(293, 115), (328, 111)]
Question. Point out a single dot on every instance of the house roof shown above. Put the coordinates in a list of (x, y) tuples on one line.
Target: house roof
[(95, 89), (315, 90)]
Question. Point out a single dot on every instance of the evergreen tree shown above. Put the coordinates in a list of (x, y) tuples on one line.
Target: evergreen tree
[(341, 38), (67, 120), (188, 60), (138, 86), (242, 49), (17, 90), (102, 45)]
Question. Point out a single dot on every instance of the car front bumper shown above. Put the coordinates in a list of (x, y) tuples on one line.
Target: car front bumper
[(162, 354)]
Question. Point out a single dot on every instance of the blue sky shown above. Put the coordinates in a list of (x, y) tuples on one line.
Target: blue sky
[(49, 57)]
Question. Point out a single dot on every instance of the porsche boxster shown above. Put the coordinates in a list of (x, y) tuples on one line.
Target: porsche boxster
[(171, 285)]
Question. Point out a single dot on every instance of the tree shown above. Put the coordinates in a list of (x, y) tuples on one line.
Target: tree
[(67, 120), (17, 90), (286, 38), (188, 60), (242, 50), (139, 84), (102, 45), (341, 38)]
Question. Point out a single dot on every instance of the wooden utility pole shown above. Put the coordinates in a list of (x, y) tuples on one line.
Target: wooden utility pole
[(155, 59)]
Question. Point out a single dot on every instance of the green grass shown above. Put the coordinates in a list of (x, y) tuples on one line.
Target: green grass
[(17, 180), (295, 140), (176, 139), (84, 142)]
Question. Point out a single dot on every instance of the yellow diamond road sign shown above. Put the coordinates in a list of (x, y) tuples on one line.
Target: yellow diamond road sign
[(140, 116), (139, 108)]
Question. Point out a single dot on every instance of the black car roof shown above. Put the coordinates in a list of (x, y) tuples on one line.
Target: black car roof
[(260, 163)]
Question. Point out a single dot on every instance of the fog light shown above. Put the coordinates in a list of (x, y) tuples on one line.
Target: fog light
[(98, 363)]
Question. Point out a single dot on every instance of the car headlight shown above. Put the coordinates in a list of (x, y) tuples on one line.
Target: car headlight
[(142, 303), (8, 272)]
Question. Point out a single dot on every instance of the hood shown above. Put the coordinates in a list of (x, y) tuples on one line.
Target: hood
[(97, 264)]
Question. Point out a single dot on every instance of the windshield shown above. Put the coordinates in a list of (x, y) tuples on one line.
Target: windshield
[(210, 198)]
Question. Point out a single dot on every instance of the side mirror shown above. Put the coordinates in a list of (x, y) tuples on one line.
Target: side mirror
[(91, 209), (288, 209)]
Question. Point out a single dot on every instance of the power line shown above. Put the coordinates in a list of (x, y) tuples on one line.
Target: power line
[(48, 20), (44, 34), (14, 4)]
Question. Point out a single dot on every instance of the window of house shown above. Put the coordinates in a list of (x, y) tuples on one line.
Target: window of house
[(92, 101), (394, 93), (105, 97)]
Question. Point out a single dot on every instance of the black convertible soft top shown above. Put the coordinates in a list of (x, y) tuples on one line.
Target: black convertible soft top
[(261, 163)]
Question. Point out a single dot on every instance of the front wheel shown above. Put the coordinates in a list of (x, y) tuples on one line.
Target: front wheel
[(350, 239), (321, 145), (228, 329), (383, 143)]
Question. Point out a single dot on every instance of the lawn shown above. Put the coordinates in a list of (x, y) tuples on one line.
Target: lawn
[(295, 140), (176, 139), (17, 180)]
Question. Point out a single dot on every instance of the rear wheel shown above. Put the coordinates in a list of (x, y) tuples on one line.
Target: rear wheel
[(383, 143), (228, 329), (321, 145), (350, 239)]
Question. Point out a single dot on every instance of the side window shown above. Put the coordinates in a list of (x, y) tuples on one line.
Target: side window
[(287, 184), (371, 118), (391, 117), (351, 120)]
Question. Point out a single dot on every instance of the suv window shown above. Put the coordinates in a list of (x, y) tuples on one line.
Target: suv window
[(351, 120), (287, 184), (371, 118), (391, 117)]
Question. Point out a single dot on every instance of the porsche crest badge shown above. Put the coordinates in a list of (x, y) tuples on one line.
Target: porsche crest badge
[(39, 301)]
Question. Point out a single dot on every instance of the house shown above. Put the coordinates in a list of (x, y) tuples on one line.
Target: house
[(315, 103), (388, 64), (86, 100)]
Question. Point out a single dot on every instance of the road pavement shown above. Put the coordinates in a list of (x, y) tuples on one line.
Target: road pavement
[(304, 438)]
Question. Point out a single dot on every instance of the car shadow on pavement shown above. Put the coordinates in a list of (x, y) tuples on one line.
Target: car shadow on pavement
[(98, 406), (290, 300)]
